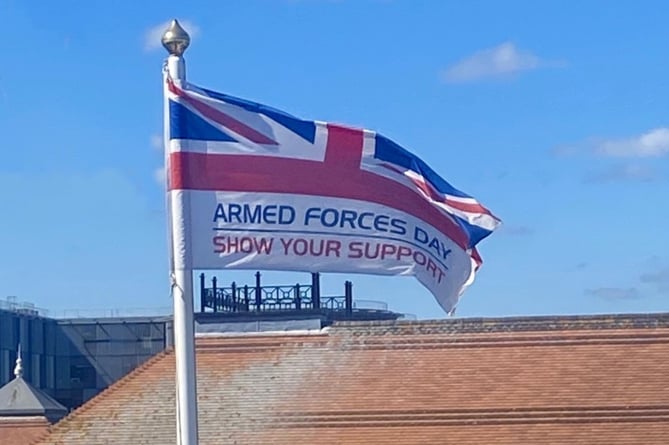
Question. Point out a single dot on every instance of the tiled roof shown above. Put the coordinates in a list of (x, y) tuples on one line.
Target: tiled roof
[(22, 430), (550, 380)]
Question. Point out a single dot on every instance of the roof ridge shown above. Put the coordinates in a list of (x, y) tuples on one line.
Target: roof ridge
[(260, 334), (519, 339), (508, 324), (35, 400), (104, 394), (487, 410), (42, 396)]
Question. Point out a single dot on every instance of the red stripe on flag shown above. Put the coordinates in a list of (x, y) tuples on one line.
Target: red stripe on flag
[(435, 195), (250, 173), (344, 146), (222, 118), (467, 207)]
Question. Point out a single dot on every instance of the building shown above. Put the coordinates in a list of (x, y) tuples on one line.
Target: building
[(531, 380), (73, 359), (25, 412)]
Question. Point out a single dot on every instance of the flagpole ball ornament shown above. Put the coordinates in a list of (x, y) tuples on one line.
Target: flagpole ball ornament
[(176, 39)]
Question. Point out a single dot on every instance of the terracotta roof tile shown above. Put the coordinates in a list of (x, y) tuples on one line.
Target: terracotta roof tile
[(535, 380), (22, 430)]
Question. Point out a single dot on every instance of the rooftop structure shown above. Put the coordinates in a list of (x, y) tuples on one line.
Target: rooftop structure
[(79, 353), (25, 412), (536, 380), (258, 301), (18, 398)]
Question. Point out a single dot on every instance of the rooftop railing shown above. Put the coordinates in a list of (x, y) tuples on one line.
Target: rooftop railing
[(259, 298)]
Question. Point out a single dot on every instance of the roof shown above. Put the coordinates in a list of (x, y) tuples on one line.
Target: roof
[(539, 380), (22, 430), (19, 398)]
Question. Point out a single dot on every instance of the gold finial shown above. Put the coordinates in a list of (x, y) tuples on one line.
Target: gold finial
[(176, 39)]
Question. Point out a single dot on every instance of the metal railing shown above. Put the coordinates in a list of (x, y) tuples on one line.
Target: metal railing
[(24, 308), (12, 304), (129, 312), (259, 298)]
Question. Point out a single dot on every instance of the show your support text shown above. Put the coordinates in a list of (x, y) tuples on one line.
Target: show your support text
[(328, 248)]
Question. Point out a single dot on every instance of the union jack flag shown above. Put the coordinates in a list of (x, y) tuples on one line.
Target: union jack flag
[(230, 144)]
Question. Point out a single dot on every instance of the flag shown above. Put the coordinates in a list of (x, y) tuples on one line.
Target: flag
[(262, 189)]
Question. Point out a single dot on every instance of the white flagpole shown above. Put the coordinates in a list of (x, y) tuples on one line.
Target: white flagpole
[(176, 40)]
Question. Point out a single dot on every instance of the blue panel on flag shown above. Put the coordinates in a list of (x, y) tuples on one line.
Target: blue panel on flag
[(184, 124), (304, 129), (475, 233), (389, 151)]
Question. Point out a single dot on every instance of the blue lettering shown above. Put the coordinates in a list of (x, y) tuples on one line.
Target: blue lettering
[(312, 213), (269, 214), (335, 217), (361, 220), (431, 242), (220, 213), (254, 214), (444, 251), (420, 235), (351, 219), (254, 217), (381, 223), (286, 215), (234, 211), (398, 226), (348, 216)]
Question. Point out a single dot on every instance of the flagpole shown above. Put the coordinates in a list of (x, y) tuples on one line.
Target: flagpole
[(176, 40)]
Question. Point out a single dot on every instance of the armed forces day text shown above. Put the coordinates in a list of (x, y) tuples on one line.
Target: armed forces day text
[(335, 220)]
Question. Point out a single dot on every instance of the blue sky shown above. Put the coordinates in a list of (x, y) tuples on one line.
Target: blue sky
[(552, 114)]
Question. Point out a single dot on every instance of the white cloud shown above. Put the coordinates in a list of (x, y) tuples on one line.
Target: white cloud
[(615, 293), (157, 142), (500, 61), (623, 172), (153, 35), (159, 176), (653, 143), (659, 278)]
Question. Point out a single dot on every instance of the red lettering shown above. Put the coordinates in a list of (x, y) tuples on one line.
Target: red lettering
[(403, 251), (437, 273), (388, 250), (311, 247), (263, 246), (300, 246), (441, 275), (354, 250), (231, 244), (419, 258), (246, 245), (286, 244), (431, 266), (368, 251), (219, 244), (333, 246), (384, 251)]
